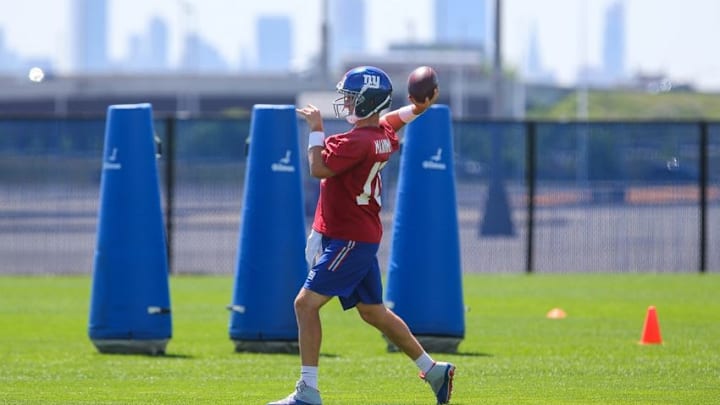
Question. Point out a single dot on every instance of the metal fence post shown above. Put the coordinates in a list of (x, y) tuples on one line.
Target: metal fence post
[(703, 183), (530, 174), (169, 186)]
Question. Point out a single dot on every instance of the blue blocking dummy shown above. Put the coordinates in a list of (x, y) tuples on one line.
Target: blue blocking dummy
[(130, 308), (271, 265), (424, 284)]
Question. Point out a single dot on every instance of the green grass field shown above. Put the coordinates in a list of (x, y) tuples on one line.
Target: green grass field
[(511, 353)]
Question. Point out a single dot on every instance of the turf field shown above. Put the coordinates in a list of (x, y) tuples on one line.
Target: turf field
[(512, 354)]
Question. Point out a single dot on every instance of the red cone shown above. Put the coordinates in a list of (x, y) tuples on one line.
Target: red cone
[(651, 329)]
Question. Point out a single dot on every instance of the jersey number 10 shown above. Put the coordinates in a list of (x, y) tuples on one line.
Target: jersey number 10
[(372, 186)]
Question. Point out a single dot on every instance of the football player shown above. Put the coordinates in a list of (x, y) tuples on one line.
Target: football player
[(342, 246)]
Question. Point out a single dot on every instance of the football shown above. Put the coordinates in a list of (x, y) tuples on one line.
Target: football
[(422, 82)]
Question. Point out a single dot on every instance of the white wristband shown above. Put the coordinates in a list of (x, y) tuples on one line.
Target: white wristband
[(406, 114), (316, 138)]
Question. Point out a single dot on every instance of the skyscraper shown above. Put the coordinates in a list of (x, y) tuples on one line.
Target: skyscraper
[(158, 39), (274, 43), (199, 55), (534, 70), (149, 51), (8, 60), (461, 22), (89, 35), (533, 62), (347, 30), (614, 41)]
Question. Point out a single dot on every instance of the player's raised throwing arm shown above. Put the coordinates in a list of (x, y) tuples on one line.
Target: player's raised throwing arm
[(404, 115)]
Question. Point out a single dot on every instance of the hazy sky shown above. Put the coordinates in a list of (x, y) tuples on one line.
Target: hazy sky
[(675, 37)]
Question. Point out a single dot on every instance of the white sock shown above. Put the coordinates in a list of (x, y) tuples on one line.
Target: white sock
[(424, 362), (309, 374)]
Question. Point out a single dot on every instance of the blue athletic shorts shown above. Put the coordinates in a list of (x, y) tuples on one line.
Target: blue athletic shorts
[(348, 270)]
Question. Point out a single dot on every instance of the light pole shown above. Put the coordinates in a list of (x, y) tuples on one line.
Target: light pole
[(325, 41), (186, 101), (497, 110), (582, 108), (497, 219)]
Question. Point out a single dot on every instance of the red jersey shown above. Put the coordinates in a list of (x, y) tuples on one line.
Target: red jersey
[(349, 203)]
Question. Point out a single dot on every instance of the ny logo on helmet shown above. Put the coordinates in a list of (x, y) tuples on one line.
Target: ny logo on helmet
[(372, 81)]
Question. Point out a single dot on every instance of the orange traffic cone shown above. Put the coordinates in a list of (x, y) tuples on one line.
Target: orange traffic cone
[(651, 329), (556, 313)]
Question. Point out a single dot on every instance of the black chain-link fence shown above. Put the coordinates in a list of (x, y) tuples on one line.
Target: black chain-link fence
[(531, 196)]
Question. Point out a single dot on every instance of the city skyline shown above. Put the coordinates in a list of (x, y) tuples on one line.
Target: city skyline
[(660, 46)]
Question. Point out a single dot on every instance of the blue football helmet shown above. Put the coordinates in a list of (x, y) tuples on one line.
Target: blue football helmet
[(365, 91)]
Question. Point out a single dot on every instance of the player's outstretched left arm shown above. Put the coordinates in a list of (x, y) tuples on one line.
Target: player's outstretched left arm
[(404, 115)]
